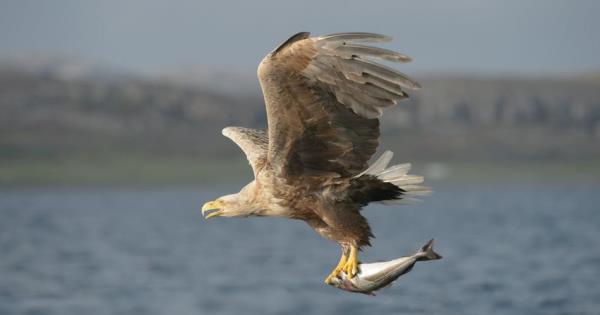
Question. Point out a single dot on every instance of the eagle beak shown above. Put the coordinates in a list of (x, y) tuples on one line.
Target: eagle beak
[(212, 209)]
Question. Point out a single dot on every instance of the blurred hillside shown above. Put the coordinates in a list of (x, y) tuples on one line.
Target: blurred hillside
[(53, 108)]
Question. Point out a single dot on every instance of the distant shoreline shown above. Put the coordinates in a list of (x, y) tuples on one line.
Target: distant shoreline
[(182, 170)]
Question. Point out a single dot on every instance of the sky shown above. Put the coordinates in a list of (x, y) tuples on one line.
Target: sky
[(530, 37)]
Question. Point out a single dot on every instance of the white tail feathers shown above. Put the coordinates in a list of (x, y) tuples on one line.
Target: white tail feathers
[(379, 165), (395, 171), (397, 175)]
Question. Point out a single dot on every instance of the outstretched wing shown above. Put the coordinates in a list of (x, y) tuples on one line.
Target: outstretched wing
[(324, 96), (253, 142)]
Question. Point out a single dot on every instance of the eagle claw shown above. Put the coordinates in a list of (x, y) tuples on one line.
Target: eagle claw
[(350, 268), (347, 264), (336, 271)]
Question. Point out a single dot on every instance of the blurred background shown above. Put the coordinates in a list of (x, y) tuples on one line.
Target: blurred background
[(110, 119)]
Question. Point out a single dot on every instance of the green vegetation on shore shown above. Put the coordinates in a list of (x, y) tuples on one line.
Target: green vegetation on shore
[(149, 170), (120, 170)]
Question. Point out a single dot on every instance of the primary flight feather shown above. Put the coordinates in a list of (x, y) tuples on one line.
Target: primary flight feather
[(323, 96)]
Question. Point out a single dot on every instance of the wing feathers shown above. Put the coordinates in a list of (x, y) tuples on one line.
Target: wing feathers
[(296, 37), (349, 51), (355, 36), (328, 89), (253, 142), (385, 85), (357, 82), (361, 66)]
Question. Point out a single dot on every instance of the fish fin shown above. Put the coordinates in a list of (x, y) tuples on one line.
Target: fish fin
[(426, 252)]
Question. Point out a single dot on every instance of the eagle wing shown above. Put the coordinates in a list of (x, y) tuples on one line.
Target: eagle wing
[(323, 98), (253, 142)]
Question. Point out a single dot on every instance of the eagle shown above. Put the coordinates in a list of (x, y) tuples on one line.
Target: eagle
[(323, 97)]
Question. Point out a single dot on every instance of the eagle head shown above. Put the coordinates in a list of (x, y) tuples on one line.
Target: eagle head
[(225, 206)]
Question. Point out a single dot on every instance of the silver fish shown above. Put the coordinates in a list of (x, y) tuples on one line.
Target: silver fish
[(374, 276)]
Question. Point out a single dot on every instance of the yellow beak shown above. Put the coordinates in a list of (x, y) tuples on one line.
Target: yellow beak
[(213, 208)]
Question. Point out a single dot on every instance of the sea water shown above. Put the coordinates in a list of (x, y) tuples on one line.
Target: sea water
[(508, 249)]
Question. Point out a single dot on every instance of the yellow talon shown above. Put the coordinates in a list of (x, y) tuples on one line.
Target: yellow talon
[(337, 269), (351, 265), (347, 264)]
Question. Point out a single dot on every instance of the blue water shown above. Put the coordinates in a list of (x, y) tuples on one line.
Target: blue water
[(508, 249)]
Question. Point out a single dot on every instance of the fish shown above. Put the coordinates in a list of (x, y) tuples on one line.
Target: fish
[(372, 277)]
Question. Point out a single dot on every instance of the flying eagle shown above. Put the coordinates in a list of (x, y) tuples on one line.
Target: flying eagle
[(324, 96)]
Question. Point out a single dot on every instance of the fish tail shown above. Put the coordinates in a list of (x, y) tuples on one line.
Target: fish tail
[(426, 252)]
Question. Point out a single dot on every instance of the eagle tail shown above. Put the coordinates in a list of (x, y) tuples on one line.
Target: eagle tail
[(392, 184)]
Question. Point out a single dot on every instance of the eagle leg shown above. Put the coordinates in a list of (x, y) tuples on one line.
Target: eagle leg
[(351, 264), (339, 268)]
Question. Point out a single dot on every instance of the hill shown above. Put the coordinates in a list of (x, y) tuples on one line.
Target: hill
[(50, 114)]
